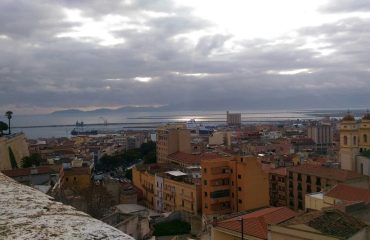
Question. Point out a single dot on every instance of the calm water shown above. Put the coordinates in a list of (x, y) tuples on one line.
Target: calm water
[(139, 119)]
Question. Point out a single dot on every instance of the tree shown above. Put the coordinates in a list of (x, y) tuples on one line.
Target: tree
[(13, 162), (97, 199), (3, 127), (33, 160), (9, 114)]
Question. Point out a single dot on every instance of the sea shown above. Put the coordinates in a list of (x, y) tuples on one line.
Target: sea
[(60, 125)]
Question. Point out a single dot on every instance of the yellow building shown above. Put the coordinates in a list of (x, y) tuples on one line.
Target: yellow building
[(12, 145), (355, 140), (167, 190), (172, 138), (145, 181), (77, 178), (233, 184)]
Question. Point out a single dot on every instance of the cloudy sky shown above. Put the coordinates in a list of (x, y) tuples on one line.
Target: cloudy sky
[(206, 54)]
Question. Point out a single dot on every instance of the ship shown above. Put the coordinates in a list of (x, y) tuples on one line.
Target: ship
[(80, 130), (199, 128)]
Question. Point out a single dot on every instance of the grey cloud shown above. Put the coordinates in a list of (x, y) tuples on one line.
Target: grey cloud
[(37, 69), (346, 6)]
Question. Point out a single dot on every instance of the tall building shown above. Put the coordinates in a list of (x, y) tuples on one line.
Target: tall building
[(354, 143), (233, 119), (172, 138), (233, 184), (322, 135)]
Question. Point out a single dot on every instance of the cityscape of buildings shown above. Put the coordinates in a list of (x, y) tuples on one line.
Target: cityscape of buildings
[(287, 180)]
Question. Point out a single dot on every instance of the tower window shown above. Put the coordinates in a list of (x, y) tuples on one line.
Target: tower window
[(345, 140)]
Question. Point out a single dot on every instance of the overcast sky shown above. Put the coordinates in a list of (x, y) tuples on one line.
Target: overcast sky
[(205, 54)]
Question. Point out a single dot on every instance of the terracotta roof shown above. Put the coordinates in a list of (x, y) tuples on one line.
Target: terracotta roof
[(326, 172), (279, 171), (27, 171), (256, 223), (349, 193), (193, 159), (330, 222)]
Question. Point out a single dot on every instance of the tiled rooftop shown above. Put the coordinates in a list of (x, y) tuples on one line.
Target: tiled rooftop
[(27, 171), (26, 213), (349, 193), (255, 223), (326, 172), (329, 222)]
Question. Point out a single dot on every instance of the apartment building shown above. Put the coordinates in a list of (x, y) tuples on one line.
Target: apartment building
[(172, 138), (166, 189), (307, 178), (233, 119), (278, 186), (233, 184), (321, 134)]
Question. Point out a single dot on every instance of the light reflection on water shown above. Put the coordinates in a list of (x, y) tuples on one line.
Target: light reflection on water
[(134, 119)]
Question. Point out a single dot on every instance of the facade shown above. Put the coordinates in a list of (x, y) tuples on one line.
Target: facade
[(278, 187), (166, 190), (304, 179), (12, 149), (233, 184), (78, 178), (172, 138), (233, 119), (42, 175), (322, 135), (354, 142)]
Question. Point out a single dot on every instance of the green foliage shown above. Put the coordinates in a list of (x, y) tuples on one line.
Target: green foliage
[(3, 127), (13, 162), (175, 227), (33, 160), (151, 157), (366, 153), (128, 174), (147, 151)]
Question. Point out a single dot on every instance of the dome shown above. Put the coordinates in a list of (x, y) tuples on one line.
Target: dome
[(348, 117)]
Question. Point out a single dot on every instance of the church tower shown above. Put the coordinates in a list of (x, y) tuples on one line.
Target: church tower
[(349, 142), (364, 133)]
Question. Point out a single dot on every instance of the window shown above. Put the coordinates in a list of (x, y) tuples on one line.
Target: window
[(206, 205), (239, 189), (220, 194), (365, 138), (345, 140), (240, 201), (205, 182), (354, 140), (241, 159), (205, 170), (66, 179), (205, 194), (239, 176)]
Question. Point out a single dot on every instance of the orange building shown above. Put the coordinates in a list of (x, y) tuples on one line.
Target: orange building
[(233, 184)]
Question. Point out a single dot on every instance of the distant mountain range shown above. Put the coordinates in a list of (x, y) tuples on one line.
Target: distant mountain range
[(107, 110)]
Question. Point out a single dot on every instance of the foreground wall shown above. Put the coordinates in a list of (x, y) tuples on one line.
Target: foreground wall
[(26, 213)]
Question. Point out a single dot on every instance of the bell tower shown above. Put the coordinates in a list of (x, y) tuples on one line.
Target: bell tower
[(364, 133), (349, 142)]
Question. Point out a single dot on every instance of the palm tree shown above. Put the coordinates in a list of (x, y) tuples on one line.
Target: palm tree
[(9, 114)]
